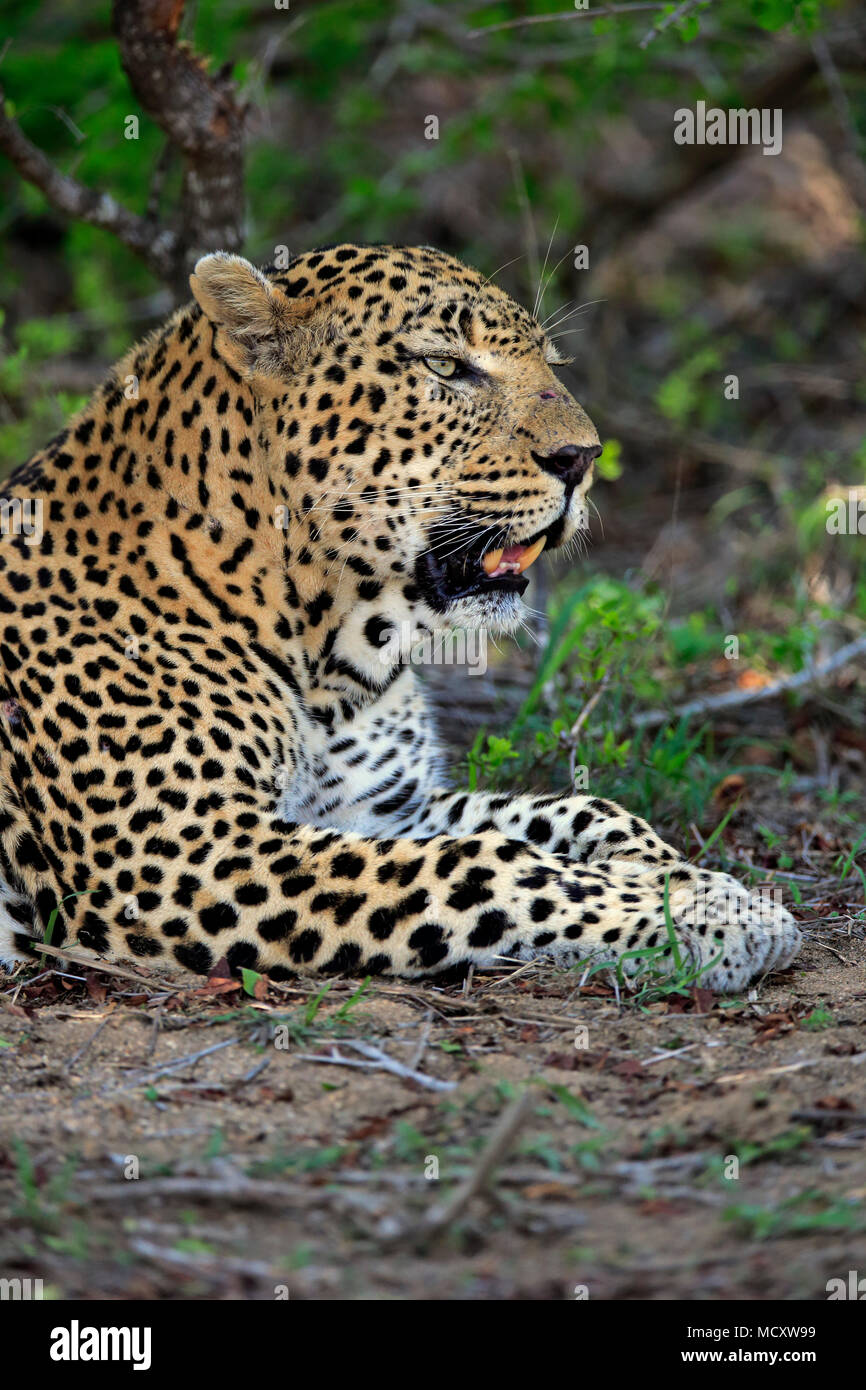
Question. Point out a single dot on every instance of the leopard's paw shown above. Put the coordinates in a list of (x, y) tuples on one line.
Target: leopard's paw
[(10, 953), (14, 912), (739, 934)]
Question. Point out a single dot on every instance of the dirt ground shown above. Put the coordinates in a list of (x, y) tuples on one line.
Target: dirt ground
[(171, 1138)]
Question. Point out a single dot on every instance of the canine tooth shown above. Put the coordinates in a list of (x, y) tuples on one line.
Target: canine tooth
[(491, 560), (530, 554)]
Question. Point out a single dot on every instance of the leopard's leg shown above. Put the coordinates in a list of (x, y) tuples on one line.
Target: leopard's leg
[(16, 904), (585, 828), (328, 901), (595, 831)]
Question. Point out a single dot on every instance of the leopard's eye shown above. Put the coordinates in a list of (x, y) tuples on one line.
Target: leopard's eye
[(442, 366)]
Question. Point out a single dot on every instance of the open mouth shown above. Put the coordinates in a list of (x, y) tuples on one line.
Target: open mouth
[(514, 559), (445, 574)]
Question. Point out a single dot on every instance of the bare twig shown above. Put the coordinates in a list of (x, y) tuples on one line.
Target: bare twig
[(380, 1060), (254, 1072), (511, 974), (592, 12), (76, 1057), (569, 740), (79, 956), (504, 1134), (424, 1038), (663, 1053), (203, 1265), (754, 1075), (836, 92), (733, 699), (832, 1118), (679, 13), (237, 1192), (148, 1074)]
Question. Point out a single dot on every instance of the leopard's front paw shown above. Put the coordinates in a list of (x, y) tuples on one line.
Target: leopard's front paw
[(11, 954), (739, 934)]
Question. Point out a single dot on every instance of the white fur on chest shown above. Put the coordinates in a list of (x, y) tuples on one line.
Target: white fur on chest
[(370, 775)]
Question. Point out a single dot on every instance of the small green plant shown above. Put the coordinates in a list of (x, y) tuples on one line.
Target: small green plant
[(49, 928), (314, 1004), (750, 1151), (818, 1020), (575, 1105), (488, 754), (346, 1008), (41, 1202), (648, 984), (806, 1214)]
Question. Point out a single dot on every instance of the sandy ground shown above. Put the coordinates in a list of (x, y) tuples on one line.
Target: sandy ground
[(689, 1148)]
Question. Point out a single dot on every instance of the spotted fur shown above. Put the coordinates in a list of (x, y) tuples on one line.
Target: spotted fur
[(208, 747)]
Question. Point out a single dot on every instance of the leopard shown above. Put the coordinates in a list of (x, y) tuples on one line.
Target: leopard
[(212, 749)]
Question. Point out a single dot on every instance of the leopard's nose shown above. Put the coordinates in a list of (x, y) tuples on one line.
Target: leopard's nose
[(571, 462)]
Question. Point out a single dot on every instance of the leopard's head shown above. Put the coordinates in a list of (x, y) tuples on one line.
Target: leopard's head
[(414, 428)]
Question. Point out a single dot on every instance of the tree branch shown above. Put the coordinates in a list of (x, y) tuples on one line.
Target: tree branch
[(156, 246), (594, 12), (200, 117)]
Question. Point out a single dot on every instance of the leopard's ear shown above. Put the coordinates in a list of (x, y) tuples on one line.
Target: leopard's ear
[(261, 331)]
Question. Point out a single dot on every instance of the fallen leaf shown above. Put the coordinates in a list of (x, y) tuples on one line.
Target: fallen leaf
[(753, 680), (703, 999), (268, 1093), (217, 986), (729, 791), (833, 1103), (657, 1206), (630, 1070), (574, 1060), (94, 986), (563, 1061), (547, 1189)]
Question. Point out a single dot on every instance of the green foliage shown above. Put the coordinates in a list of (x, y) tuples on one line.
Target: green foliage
[(608, 465), (818, 1020), (684, 396), (488, 754), (40, 1201), (610, 642), (751, 1151)]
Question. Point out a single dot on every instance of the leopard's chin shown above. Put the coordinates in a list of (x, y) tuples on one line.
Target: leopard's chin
[(497, 612)]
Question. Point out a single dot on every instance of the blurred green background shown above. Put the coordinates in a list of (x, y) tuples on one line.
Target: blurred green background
[(704, 263)]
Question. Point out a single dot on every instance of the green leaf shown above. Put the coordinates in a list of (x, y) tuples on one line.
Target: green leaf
[(249, 979)]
